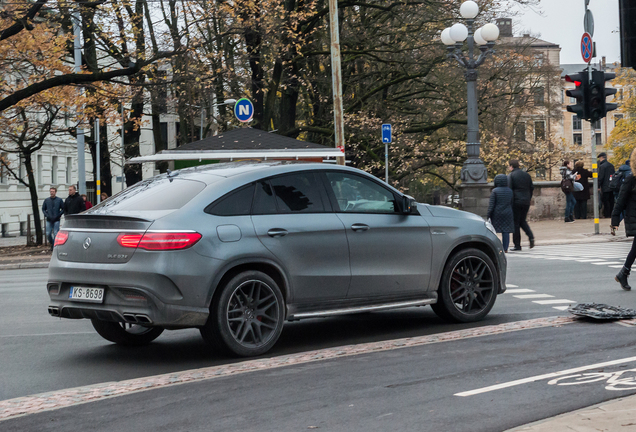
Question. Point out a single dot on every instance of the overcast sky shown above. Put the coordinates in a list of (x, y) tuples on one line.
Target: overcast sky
[(561, 22)]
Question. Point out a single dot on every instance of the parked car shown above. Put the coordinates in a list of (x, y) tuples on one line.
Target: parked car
[(237, 249)]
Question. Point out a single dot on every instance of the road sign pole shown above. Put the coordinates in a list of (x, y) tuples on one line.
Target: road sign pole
[(386, 163)]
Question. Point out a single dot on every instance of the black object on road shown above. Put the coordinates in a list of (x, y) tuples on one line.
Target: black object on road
[(602, 311)]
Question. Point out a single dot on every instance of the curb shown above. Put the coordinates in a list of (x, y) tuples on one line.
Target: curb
[(17, 266)]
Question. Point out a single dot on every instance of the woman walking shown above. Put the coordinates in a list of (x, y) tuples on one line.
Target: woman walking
[(580, 209), (626, 203), (570, 201), (500, 209)]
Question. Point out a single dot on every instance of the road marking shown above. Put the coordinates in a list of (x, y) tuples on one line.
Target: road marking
[(511, 286), (561, 308), (606, 263), (543, 377), (520, 290), (53, 400), (547, 302), (529, 296), (589, 260), (616, 266)]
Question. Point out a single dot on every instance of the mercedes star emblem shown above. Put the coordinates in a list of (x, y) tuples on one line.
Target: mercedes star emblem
[(87, 243)]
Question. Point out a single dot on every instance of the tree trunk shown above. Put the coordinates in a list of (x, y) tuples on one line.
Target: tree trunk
[(33, 192)]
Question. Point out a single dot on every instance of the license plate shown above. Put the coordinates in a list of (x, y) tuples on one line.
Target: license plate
[(87, 294)]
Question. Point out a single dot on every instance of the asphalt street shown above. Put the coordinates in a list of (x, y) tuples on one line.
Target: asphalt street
[(414, 388)]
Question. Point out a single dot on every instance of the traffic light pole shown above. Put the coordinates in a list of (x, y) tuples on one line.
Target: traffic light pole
[(594, 165)]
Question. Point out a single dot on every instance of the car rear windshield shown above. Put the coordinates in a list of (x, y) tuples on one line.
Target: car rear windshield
[(153, 194)]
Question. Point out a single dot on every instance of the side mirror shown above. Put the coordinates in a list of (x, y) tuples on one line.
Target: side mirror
[(408, 204)]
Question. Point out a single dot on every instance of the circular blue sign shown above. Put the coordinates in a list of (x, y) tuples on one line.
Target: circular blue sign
[(244, 110), (586, 47)]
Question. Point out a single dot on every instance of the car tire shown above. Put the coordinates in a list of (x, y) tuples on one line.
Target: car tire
[(246, 317), (468, 288), (126, 334)]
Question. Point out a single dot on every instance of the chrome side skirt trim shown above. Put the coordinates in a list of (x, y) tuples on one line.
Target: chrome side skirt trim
[(362, 309)]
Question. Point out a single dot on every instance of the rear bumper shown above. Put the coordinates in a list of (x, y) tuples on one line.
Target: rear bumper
[(149, 290)]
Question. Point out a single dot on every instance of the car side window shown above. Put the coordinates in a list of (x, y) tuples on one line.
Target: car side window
[(298, 193), (264, 200), (356, 194), (235, 203)]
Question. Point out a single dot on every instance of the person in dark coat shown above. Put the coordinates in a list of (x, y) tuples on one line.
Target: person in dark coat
[(74, 203), (605, 172), (521, 184), (500, 209), (53, 209), (580, 209), (626, 204), (568, 174)]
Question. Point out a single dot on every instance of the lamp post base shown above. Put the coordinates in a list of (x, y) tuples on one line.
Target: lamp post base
[(474, 172)]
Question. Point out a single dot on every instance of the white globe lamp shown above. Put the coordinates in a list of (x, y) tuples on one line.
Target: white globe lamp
[(490, 32), (458, 32), (446, 37), (469, 9), (479, 39)]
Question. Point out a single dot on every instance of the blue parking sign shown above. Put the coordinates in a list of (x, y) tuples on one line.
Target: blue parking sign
[(386, 133), (244, 110)]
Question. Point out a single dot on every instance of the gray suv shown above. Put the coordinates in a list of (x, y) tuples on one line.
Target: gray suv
[(237, 249)]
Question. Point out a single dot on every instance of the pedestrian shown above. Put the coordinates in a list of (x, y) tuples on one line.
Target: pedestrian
[(580, 209), (104, 196), (626, 204), (521, 184), (568, 175), (87, 203), (605, 172), (53, 209), (500, 209), (74, 203)]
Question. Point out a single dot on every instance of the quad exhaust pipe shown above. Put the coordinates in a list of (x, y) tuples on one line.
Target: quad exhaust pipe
[(137, 318), (54, 311)]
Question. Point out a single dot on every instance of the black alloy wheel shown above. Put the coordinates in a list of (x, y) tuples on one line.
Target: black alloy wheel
[(468, 288), (247, 317), (126, 334)]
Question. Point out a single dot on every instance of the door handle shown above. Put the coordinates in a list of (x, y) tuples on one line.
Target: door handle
[(359, 227), (277, 232)]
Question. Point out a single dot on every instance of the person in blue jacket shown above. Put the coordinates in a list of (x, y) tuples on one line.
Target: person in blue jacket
[(500, 209), (53, 209)]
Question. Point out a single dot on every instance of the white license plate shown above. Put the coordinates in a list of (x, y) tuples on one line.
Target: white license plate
[(87, 294)]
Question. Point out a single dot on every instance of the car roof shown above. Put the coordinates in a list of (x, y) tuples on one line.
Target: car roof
[(249, 169)]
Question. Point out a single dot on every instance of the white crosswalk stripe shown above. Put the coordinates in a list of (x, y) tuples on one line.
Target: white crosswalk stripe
[(610, 254)]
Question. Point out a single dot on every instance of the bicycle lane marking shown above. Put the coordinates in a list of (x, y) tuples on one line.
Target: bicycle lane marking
[(12, 408), (544, 377)]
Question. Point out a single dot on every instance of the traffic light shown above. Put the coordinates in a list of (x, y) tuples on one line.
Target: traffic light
[(598, 105), (627, 14), (581, 93)]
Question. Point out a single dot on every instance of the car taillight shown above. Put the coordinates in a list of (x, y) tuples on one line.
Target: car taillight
[(159, 241), (61, 238)]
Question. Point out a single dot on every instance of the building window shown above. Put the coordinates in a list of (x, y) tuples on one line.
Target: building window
[(4, 172), (69, 168), (518, 98), (562, 97), (620, 94), (539, 131), (617, 118), (54, 170), (576, 123), (599, 139), (596, 125), (572, 100), (577, 138), (538, 94), (520, 131), (39, 169), (540, 174)]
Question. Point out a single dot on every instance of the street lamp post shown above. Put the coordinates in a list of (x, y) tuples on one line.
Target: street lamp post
[(473, 170)]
